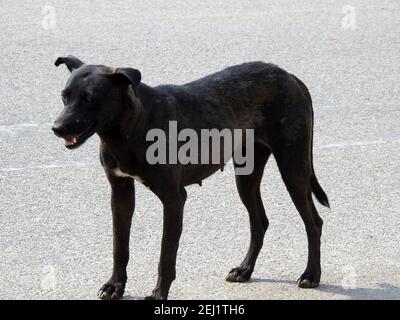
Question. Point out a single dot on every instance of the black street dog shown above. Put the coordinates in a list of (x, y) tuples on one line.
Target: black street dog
[(115, 104)]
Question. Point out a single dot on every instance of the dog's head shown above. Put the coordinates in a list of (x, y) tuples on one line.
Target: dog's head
[(93, 98)]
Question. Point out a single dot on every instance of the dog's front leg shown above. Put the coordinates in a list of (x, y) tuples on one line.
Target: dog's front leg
[(122, 205), (173, 203)]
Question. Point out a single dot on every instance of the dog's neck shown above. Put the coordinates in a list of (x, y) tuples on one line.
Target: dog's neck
[(128, 134)]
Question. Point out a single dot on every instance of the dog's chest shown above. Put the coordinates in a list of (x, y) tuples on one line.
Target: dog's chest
[(119, 173)]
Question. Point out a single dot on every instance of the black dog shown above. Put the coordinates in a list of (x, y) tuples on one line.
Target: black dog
[(114, 104)]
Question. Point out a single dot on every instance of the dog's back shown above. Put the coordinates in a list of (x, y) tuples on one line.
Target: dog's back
[(235, 97)]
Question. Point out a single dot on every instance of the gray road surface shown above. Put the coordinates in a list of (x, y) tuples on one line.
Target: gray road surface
[(55, 222)]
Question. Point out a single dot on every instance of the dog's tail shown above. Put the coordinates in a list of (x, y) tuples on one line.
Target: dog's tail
[(318, 191), (315, 186)]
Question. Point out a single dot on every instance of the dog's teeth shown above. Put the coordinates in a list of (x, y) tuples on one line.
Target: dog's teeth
[(70, 141)]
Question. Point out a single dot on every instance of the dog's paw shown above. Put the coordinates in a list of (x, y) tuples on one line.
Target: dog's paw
[(307, 281), (112, 291), (157, 294), (155, 297), (240, 274)]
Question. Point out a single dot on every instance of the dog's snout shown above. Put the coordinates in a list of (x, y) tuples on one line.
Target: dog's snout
[(59, 129)]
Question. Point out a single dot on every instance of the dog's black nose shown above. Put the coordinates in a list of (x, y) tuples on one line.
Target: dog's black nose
[(58, 129)]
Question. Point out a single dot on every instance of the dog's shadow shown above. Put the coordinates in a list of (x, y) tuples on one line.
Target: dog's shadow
[(129, 297), (382, 291)]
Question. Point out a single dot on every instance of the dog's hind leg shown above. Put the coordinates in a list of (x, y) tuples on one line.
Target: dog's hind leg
[(296, 169), (249, 191)]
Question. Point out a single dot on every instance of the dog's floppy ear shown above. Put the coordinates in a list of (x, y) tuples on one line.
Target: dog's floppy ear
[(70, 61), (127, 75)]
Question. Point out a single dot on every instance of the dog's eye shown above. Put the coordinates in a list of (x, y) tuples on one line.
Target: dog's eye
[(64, 97), (86, 97)]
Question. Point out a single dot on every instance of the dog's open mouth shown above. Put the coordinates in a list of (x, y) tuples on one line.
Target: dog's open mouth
[(72, 142)]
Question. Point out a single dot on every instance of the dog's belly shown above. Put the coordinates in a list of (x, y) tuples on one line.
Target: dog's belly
[(196, 173)]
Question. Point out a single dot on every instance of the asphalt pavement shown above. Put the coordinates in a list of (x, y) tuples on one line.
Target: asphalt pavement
[(55, 221)]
